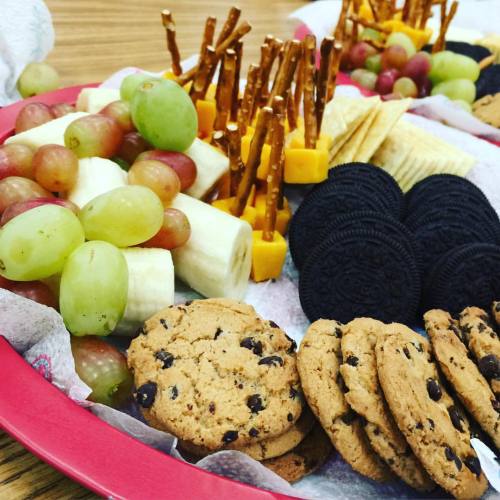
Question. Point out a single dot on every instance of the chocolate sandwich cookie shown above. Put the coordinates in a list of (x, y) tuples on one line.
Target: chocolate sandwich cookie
[(488, 81), (213, 373), (318, 361), (462, 373), (364, 395), (318, 209), (360, 273), (425, 413), (469, 274)]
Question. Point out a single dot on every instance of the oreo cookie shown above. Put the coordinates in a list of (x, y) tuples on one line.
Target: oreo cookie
[(379, 222), (377, 177), (469, 274), (360, 273), (488, 82), (319, 208), (437, 237)]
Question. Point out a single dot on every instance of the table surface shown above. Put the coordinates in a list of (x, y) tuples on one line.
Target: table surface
[(94, 38)]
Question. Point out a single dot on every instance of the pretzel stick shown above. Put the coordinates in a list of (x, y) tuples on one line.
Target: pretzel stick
[(277, 53), (234, 153), (220, 140), (266, 63), (373, 8), (487, 61), (334, 69), (369, 24), (248, 98), (276, 162), (201, 81), (283, 80), (224, 93), (299, 85), (325, 64), (440, 42), (235, 100), (228, 27), (310, 126), (340, 28), (253, 161), (234, 37), (169, 25), (208, 35), (426, 12), (406, 10)]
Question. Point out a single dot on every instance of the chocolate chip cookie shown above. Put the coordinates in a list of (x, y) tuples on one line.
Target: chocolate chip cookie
[(484, 344), (318, 361), (365, 397), (304, 459), (212, 373), (462, 373), (424, 412)]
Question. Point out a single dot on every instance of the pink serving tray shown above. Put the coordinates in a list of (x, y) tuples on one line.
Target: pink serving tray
[(79, 444)]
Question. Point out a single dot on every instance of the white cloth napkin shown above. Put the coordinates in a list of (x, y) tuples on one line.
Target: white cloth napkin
[(26, 35)]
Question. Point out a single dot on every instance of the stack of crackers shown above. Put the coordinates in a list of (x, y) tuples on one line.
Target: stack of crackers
[(372, 130)]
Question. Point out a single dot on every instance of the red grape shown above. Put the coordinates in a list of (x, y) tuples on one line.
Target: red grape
[(119, 111), (93, 135), (56, 167), (183, 165), (394, 57), (385, 81), (359, 52), (417, 67), (103, 368), (16, 159), (33, 115), (18, 208), (157, 176), (62, 109), (5, 283), (425, 87), (35, 290), (15, 189), (132, 146), (174, 232)]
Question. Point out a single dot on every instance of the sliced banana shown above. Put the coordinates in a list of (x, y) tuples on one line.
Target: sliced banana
[(49, 133), (217, 258), (96, 176), (93, 100)]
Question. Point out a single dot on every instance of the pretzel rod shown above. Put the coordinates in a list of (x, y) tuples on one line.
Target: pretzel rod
[(276, 161), (224, 93), (201, 81), (235, 98), (228, 27), (487, 61), (266, 62), (283, 80), (234, 37), (309, 58), (340, 28), (208, 35), (426, 12), (334, 69), (248, 98), (234, 153), (253, 161), (440, 43), (325, 64), (169, 25), (368, 24)]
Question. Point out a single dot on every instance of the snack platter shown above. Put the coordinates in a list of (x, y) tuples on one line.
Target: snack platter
[(346, 229)]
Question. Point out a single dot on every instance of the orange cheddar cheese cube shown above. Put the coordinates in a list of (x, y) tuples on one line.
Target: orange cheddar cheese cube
[(206, 116), (263, 168), (249, 214), (283, 215), (268, 257), (296, 141), (305, 166)]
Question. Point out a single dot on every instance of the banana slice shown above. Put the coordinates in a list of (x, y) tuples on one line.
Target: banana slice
[(211, 165), (93, 100), (49, 133), (96, 176), (217, 258), (150, 286)]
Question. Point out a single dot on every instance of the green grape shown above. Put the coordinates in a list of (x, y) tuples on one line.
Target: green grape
[(36, 243), (448, 65), (371, 34), (94, 288), (459, 89), (37, 78), (164, 115), (130, 84), (405, 87), (125, 216), (402, 40), (365, 78), (374, 63)]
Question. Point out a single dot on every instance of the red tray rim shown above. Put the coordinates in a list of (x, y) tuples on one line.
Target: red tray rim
[(81, 446)]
